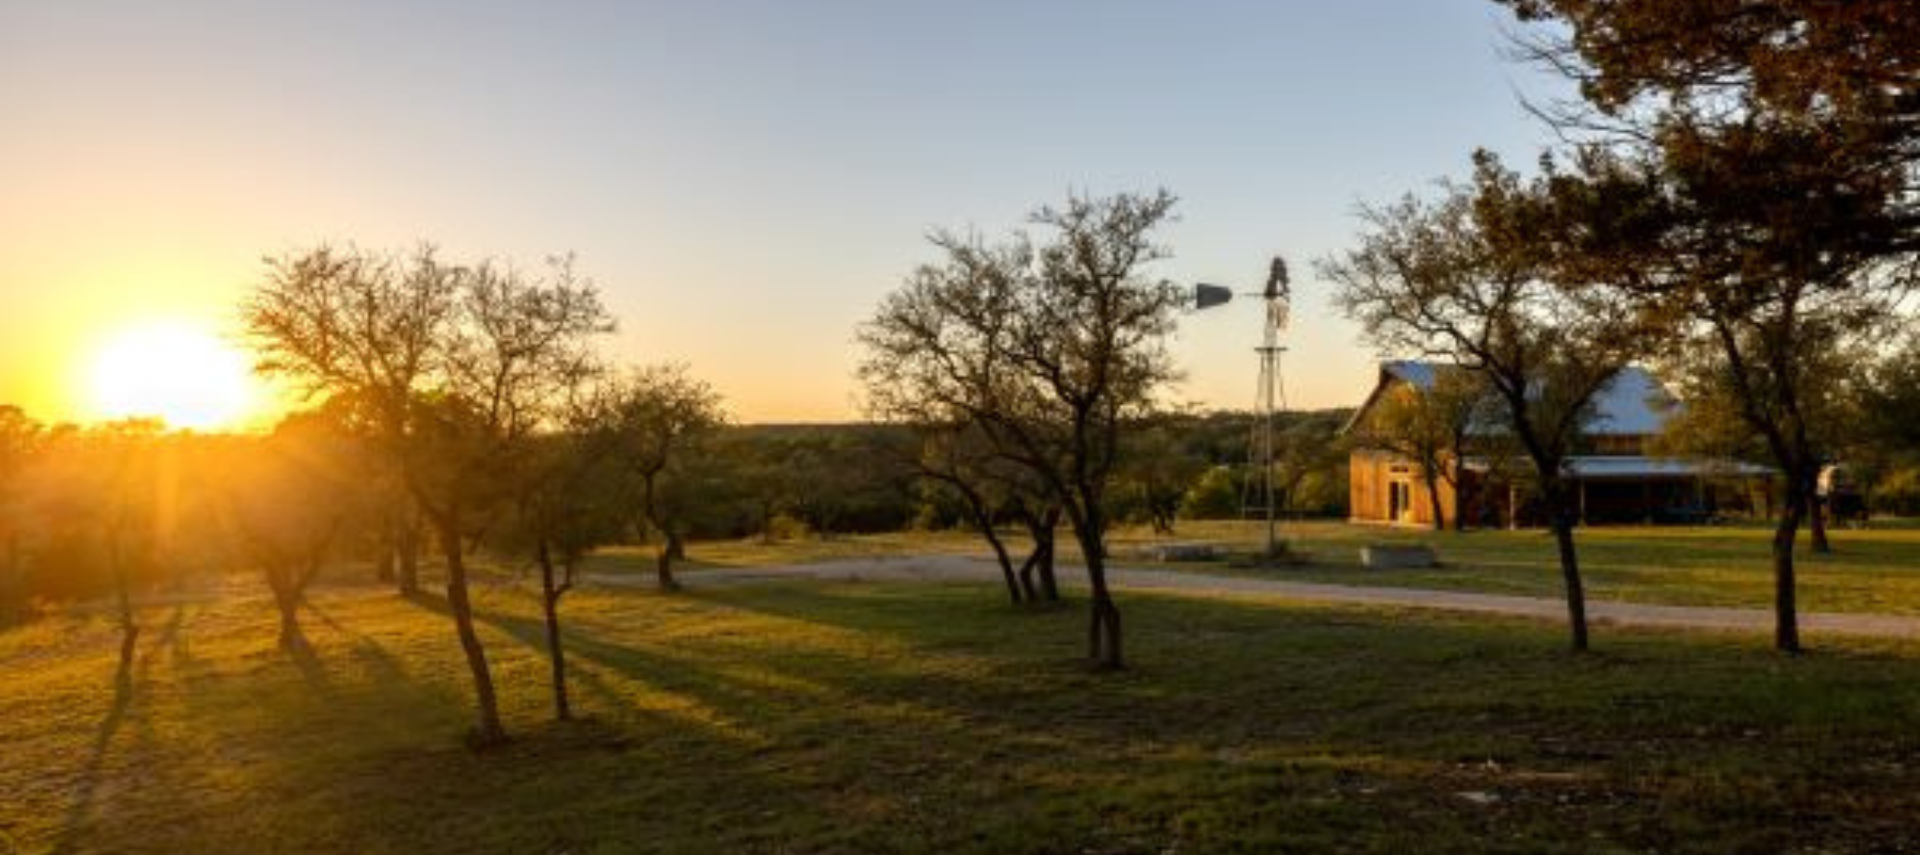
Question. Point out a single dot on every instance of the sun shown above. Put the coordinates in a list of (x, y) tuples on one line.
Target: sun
[(176, 371)]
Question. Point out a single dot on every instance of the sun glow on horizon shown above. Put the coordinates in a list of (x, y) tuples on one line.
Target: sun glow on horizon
[(176, 371)]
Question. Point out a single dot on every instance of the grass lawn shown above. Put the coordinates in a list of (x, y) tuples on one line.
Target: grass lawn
[(754, 552), (1871, 570), (796, 717)]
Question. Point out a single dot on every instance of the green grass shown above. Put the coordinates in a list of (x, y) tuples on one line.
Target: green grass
[(755, 552), (1872, 570), (931, 718)]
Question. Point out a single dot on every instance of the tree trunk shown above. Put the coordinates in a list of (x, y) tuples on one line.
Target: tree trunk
[(1786, 621), (13, 587), (556, 653), (1570, 573), (983, 521), (286, 599), (383, 561), (409, 545), (1028, 592), (487, 730), (1459, 501), (1048, 549), (1103, 630), (1817, 525), (663, 560), (129, 628), (1433, 498)]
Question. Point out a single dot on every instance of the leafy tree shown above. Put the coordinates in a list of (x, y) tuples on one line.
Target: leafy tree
[(649, 422), (112, 487), (1215, 495), (567, 502), (1467, 278), (844, 479), (1053, 347), (21, 439), (1310, 462), (289, 500), (1430, 427), (454, 368), (1746, 176), (1156, 470)]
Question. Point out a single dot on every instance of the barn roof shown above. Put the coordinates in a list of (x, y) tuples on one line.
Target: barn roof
[(1633, 403)]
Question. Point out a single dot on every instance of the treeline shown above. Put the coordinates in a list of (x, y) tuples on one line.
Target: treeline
[(180, 504)]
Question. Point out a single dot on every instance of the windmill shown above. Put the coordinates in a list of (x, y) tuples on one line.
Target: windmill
[(1257, 497)]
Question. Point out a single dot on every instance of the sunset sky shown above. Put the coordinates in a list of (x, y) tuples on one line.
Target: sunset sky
[(744, 180)]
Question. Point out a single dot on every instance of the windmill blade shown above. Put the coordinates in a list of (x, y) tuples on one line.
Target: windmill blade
[(1277, 285)]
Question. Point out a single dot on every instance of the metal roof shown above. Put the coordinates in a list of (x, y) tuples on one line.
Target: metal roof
[(1633, 403), (1600, 468)]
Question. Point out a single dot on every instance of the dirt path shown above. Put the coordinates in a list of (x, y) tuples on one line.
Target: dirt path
[(961, 568)]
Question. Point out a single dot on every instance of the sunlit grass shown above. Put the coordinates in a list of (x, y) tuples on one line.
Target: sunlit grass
[(932, 718)]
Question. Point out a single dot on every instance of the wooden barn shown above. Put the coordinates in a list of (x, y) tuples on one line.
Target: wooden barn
[(1617, 479)]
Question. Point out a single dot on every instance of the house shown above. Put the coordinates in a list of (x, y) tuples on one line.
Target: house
[(1616, 477)]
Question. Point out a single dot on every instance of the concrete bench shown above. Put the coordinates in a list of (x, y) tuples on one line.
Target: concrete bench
[(1172, 552), (1397, 557)]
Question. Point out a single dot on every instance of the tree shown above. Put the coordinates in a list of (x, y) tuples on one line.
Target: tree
[(1713, 422), (567, 502), (454, 368), (1466, 278), (1310, 463), (1156, 470), (962, 460), (1745, 173), (21, 439), (114, 480), (1430, 427), (289, 501), (1215, 495), (1052, 347), (650, 421)]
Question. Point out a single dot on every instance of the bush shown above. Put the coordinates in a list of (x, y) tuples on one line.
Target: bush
[(1215, 495)]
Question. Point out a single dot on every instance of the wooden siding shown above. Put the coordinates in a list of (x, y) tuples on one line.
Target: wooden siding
[(1372, 475)]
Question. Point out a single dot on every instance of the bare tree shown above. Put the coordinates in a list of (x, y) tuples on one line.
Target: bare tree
[(455, 367), (1051, 347), (962, 461)]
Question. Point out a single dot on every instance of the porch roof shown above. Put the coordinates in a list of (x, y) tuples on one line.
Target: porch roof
[(1597, 467)]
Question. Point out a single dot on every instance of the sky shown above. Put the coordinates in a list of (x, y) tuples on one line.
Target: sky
[(743, 180)]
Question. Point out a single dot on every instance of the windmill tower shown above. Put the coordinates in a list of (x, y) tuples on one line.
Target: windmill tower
[(1258, 499)]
